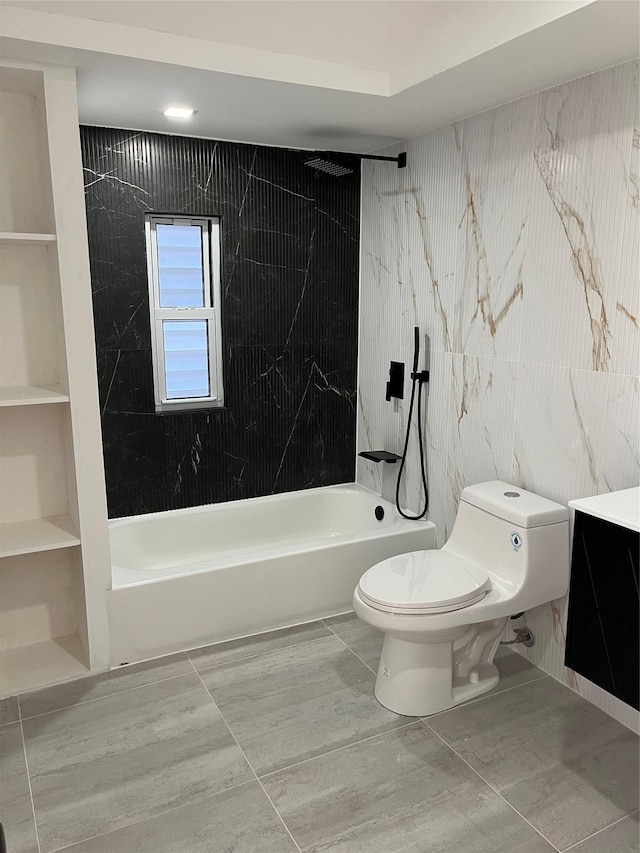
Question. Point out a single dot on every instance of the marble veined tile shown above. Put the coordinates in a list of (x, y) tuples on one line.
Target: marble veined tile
[(470, 430), (623, 837), (498, 171), (378, 420), (402, 792), (434, 208), (565, 766), (241, 820), (293, 704), (102, 765), (15, 800), (383, 289), (578, 268), (103, 684), (576, 432), (258, 644)]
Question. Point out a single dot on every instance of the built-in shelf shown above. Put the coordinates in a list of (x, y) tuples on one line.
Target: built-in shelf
[(31, 395), (22, 238), (39, 664), (37, 534)]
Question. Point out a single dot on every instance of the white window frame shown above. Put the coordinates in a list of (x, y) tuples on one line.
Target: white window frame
[(210, 230)]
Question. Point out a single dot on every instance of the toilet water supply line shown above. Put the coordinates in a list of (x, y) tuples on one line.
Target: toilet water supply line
[(417, 378)]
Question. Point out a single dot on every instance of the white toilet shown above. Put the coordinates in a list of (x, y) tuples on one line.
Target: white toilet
[(443, 612)]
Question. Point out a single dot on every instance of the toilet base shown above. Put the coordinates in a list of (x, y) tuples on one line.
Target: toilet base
[(417, 679)]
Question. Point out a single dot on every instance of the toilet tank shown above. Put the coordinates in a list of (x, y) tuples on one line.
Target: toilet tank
[(520, 538)]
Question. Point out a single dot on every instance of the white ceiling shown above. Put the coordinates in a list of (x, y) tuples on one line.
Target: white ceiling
[(348, 75)]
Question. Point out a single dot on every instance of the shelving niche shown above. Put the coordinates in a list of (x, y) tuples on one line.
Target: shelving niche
[(54, 554)]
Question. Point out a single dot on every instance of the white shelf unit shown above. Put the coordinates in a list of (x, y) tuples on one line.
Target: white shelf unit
[(16, 238), (31, 395), (54, 548)]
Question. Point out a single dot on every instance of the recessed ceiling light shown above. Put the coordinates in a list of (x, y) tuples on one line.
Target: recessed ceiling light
[(178, 112)]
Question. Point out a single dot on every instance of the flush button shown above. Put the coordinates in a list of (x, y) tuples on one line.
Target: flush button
[(516, 541), (512, 494)]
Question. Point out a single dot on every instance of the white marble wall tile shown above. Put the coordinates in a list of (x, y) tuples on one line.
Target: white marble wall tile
[(434, 207), (378, 420), (618, 451), (577, 271), (625, 323), (384, 293), (498, 173), (467, 413), (576, 432)]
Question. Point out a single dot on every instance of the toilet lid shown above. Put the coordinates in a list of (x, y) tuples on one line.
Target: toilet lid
[(424, 582)]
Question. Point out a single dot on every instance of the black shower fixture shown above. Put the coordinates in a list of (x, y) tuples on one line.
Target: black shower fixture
[(333, 163)]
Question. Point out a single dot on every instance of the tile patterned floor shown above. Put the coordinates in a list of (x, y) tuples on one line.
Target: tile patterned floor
[(275, 744)]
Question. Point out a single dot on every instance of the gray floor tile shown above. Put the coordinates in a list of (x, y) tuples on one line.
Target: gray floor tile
[(259, 644), (292, 704), (404, 791), (103, 684), (622, 837), (15, 800), (366, 642), (514, 669), (344, 622), (102, 765), (9, 710), (241, 820), (563, 764)]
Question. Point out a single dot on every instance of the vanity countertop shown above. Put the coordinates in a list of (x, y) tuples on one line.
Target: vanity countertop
[(622, 508)]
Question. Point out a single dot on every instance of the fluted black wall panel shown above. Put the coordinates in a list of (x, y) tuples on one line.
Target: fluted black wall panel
[(290, 292)]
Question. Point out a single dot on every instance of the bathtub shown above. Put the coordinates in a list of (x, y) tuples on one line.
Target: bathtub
[(190, 577)]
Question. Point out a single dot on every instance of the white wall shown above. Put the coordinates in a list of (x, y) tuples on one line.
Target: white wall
[(511, 239)]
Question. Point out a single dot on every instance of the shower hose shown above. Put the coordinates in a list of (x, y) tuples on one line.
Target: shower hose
[(417, 379)]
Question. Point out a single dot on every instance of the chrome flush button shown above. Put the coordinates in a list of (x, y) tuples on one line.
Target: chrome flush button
[(512, 494), (516, 541)]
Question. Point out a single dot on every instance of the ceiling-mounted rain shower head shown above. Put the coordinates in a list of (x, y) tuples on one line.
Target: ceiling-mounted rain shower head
[(323, 165), (332, 163)]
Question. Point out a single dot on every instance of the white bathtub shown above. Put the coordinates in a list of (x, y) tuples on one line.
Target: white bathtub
[(189, 577)]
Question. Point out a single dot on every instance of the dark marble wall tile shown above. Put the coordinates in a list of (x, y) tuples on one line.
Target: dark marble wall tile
[(290, 308)]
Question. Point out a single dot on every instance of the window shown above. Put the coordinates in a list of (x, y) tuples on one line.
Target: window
[(183, 261)]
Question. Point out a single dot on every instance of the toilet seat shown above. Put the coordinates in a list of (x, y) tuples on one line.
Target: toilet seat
[(423, 582)]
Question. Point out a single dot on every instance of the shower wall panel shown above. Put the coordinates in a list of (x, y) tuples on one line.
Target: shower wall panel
[(290, 319)]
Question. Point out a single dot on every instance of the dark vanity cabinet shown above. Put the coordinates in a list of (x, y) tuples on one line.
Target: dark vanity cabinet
[(602, 630)]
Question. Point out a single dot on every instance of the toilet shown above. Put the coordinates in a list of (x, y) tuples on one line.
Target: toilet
[(443, 611)]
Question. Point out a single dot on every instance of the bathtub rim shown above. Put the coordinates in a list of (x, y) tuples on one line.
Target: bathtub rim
[(123, 577)]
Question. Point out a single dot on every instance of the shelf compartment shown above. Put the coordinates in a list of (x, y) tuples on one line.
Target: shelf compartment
[(40, 664), (32, 395), (31, 325), (34, 469), (21, 238), (37, 534)]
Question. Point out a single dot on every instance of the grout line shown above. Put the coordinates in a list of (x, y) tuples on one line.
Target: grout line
[(26, 762), (414, 721), (258, 654), (339, 636), (489, 785), (153, 816), (608, 826), (484, 696), (249, 764), (108, 695), (356, 655)]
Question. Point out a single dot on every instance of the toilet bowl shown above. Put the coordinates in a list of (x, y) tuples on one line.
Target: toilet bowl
[(443, 611)]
